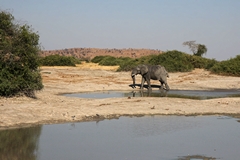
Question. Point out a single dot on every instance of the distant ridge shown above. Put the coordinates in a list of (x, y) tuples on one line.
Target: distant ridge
[(89, 53)]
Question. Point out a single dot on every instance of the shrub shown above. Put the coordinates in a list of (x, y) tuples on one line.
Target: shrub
[(109, 61), (173, 61), (97, 59), (200, 62), (229, 67), (19, 50), (128, 64), (57, 60), (77, 61)]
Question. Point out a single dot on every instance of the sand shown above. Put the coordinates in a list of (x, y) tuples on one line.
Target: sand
[(51, 106)]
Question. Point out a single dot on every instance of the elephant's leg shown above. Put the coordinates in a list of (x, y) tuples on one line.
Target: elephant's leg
[(161, 87), (142, 83), (164, 81), (149, 84), (167, 87)]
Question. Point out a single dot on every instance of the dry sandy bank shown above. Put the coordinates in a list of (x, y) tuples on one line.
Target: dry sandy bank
[(50, 107)]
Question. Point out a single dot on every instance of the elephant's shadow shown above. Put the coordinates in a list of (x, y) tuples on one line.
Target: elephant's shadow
[(145, 86)]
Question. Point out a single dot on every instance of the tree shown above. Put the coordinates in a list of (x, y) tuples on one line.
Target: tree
[(19, 48), (201, 50), (197, 49)]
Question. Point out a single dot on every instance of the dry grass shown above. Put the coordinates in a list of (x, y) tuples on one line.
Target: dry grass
[(95, 66)]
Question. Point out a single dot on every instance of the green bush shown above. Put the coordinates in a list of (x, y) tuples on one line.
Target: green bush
[(19, 50), (200, 62), (97, 59), (125, 63), (57, 60), (146, 59), (229, 67), (110, 60), (106, 60), (77, 61), (128, 64), (173, 61)]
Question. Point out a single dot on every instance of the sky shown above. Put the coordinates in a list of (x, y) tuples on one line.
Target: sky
[(150, 24)]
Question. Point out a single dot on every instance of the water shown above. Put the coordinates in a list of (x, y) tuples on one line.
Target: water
[(191, 94), (141, 138)]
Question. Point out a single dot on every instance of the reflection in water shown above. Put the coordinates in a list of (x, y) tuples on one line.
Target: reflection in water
[(190, 94), (141, 138), (149, 93), (19, 143)]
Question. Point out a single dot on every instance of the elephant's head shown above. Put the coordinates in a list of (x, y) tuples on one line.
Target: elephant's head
[(164, 70), (140, 69)]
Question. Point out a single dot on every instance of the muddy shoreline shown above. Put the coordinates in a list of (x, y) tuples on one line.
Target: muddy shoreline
[(101, 118), (51, 107)]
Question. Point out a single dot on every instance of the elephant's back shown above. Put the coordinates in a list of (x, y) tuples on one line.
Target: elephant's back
[(157, 72)]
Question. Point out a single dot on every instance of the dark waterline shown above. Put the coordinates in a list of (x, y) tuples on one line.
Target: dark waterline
[(141, 138), (190, 94)]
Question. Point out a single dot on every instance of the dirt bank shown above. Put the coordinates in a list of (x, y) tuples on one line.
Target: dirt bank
[(50, 107)]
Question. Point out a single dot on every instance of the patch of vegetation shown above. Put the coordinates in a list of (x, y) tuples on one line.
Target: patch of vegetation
[(200, 62), (19, 48), (128, 65), (175, 61), (111, 61), (228, 67), (97, 59), (106, 60), (57, 60)]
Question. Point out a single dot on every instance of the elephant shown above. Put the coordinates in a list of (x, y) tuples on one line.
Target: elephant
[(154, 72)]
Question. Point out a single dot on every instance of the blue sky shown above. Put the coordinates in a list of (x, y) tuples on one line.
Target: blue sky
[(152, 24)]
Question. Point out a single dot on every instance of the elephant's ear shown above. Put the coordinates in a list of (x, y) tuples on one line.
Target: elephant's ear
[(144, 69)]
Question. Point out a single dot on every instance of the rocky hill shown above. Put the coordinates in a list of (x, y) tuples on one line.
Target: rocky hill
[(89, 53)]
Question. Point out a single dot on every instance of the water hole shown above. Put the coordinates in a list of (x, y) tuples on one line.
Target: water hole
[(190, 94), (141, 138)]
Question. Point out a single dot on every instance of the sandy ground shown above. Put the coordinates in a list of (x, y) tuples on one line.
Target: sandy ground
[(51, 107)]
